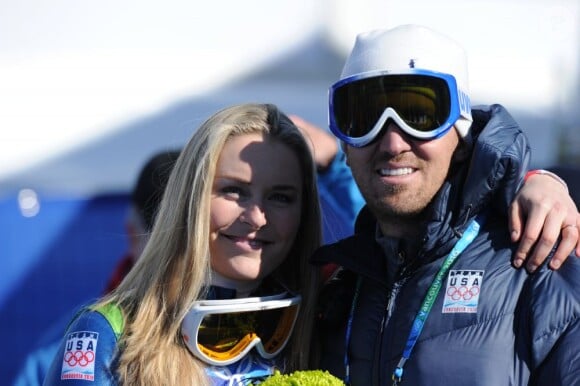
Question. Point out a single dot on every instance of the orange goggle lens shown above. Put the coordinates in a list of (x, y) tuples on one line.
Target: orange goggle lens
[(220, 332)]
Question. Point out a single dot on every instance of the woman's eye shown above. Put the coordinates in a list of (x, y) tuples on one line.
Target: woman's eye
[(282, 198), (231, 191)]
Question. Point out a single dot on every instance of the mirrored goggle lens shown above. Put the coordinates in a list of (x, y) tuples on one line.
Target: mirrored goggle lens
[(225, 336), (422, 102)]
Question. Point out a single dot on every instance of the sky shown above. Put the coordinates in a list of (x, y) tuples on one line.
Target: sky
[(72, 72)]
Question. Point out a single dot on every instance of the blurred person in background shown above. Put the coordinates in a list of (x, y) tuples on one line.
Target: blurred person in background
[(145, 199)]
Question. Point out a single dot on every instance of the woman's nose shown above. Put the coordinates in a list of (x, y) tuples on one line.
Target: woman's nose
[(254, 216)]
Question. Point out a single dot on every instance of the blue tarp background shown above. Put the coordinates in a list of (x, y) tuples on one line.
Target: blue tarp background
[(52, 263)]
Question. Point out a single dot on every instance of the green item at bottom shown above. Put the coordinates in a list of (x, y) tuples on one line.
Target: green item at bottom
[(303, 378)]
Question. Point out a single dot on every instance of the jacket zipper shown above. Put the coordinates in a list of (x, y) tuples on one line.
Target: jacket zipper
[(400, 280)]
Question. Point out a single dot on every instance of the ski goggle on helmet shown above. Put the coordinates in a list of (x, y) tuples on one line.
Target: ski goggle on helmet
[(410, 75), (221, 332)]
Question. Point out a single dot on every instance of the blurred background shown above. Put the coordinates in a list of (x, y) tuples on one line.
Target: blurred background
[(90, 90)]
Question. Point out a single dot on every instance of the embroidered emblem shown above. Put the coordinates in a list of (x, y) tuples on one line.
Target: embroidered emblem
[(462, 292), (78, 361)]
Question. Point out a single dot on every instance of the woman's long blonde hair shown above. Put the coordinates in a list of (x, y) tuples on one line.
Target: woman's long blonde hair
[(175, 265)]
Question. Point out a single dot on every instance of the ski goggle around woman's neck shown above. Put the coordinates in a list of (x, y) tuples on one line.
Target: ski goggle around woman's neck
[(220, 332), (424, 104)]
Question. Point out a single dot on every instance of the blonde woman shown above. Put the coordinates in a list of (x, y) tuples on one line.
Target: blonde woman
[(214, 298), (243, 191)]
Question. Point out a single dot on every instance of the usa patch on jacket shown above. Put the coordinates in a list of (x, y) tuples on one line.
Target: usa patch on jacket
[(78, 361), (462, 292)]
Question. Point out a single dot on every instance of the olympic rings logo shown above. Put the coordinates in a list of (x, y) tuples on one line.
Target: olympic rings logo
[(463, 292), (79, 358)]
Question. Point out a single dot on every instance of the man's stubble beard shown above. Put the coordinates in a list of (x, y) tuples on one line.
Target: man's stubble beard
[(387, 212)]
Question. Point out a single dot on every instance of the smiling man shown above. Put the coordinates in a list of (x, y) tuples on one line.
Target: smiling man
[(427, 294)]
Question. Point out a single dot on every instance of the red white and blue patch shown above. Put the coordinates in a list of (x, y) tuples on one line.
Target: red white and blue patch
[(462, 292), (80, 350)]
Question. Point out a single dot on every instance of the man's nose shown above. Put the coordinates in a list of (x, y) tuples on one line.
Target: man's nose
[(393, 140)]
